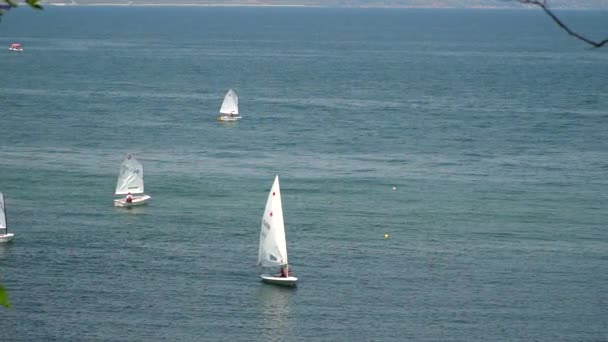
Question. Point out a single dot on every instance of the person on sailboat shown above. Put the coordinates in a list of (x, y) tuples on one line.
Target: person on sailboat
[(129, 198), (284, 271)]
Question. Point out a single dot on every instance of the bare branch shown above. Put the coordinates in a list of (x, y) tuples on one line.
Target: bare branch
[(543, 4)]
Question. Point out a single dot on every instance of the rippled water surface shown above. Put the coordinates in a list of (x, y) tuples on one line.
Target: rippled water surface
[(491, 126)]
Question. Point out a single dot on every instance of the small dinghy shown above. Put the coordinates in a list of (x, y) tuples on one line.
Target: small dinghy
[(5, 236), (273, 246), (229, 111), (130, 183)]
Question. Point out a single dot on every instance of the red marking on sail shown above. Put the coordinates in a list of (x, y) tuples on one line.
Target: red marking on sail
[(270, 214), (273, 193)]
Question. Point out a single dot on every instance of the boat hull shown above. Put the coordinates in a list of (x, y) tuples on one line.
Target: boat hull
[(137, 200), (228, 118), (6, 237), (281, 281)]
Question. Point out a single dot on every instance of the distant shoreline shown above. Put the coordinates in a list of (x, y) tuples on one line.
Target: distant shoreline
[(178, 5), (308, 6)]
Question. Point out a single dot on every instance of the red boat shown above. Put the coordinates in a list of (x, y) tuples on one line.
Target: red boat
[(16, 47)]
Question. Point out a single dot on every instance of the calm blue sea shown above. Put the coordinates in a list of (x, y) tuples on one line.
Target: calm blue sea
[(492, 126)]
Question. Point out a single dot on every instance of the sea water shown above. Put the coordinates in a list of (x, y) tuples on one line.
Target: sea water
[(475, 139)]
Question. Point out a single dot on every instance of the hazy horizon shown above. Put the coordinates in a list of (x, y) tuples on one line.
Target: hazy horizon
[(490, 4)]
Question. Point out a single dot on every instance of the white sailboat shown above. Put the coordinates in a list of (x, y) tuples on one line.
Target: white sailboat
[(130, 183), (273, 247), (229, 111), (5, 236)]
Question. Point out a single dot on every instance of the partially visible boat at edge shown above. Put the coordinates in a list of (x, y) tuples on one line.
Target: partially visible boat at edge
[(130, 182), (229, 111), (5, 236), (273, 246)]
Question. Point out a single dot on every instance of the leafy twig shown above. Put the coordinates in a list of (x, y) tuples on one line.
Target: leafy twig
[(8, 4), (4, 298)]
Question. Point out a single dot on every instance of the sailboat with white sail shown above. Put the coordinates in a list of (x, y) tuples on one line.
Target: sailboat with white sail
[(229, 111), (130, 183), (5, 236), (273, 246)]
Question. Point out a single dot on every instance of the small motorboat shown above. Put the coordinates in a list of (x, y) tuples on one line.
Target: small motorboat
[(15, 47)]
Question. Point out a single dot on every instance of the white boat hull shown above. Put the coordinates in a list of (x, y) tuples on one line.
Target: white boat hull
[(137, 200), (283, 281), (6, 237), (228, 118)]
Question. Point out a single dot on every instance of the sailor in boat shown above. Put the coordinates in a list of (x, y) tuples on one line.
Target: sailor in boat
[(129, 198), (284, 272)]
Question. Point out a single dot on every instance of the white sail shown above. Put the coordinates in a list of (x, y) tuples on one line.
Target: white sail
[(273, 249), (131, 177), (230, 104), (2, 212)]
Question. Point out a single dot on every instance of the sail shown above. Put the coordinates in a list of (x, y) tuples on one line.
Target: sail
[(131, 177), (230, 104), (2, 212), (273, 249)]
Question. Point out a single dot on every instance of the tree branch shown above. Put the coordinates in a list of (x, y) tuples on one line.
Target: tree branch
[(543, 4)]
